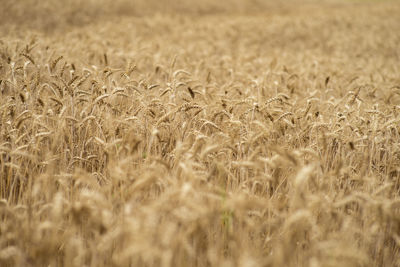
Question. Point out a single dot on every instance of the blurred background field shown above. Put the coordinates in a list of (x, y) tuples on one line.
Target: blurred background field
[(49, 14)]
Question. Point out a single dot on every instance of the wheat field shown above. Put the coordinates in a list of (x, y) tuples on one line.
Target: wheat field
[(185, 133)]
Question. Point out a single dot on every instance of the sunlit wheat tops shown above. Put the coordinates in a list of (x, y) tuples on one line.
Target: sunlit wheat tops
[(200, 134)]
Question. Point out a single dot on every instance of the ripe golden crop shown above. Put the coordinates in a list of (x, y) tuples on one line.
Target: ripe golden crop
[(187, 133)]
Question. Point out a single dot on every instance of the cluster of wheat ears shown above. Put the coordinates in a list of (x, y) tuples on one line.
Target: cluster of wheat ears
[(266, 138)]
